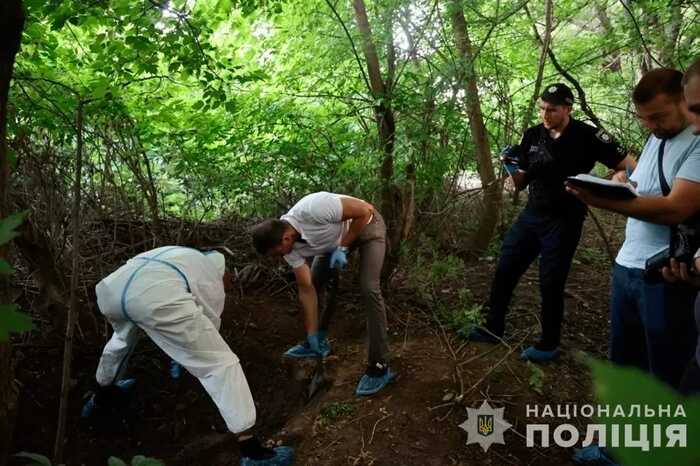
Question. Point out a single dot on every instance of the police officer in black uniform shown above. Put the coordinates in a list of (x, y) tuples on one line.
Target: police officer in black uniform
[(550, 224)]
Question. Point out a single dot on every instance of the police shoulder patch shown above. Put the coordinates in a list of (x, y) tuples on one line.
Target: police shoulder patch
[(604, 136)]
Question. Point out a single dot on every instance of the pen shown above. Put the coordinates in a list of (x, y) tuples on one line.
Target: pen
[(628, 172)]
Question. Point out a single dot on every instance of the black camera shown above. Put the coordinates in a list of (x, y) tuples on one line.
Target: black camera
[(685, 241)]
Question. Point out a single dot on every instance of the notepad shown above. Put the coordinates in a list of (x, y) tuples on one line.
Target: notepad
[(604, 188)]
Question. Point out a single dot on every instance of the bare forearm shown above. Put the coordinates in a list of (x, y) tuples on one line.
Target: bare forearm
[(356, 226), (520, 180), (309, 306), (649, 209)]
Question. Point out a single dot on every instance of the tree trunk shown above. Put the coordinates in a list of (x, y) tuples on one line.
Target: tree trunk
[(386, 126), (527, 118), (32, 244), (152, 198), (11, 25), (582, 102), (613, 60), (671, 33), (73, 310), (488, 217), (666, 31)]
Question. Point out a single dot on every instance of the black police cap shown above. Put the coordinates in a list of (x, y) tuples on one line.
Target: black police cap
[(558, 94)]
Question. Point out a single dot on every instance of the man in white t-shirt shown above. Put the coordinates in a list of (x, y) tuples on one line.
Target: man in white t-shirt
[(324, 226)]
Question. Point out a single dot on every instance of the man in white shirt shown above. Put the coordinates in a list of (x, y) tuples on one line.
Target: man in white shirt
[(324, 226)]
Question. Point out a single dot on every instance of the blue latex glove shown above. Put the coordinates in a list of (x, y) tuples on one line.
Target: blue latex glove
[(510, 155), (314, 342), (113, 397), (339, 258), (175, 370)]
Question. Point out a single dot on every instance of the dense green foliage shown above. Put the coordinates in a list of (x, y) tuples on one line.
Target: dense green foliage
[(203, 109), (238, 107)]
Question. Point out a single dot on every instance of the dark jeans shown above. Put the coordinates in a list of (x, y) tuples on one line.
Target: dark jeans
[(652, 325), (554, 239)]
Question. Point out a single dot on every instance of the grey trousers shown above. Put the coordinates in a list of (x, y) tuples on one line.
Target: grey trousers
[(372, 246)]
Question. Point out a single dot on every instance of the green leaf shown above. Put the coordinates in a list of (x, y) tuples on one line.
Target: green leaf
[(100, 90), (114, 461), (122, 7), (223, 6), (60, 18), (13, 321), (536, 379), (9, 225), (139, 460), (36, 458), (5, 267), (34, 4), (628, 387)]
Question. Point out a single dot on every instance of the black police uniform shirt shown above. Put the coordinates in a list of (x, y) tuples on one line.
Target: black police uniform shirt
[(575, 151)]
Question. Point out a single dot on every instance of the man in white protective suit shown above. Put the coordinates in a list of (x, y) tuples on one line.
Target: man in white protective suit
[(176, 295)]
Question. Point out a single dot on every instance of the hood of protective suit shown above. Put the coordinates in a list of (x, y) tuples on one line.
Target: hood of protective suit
[(218, 260)]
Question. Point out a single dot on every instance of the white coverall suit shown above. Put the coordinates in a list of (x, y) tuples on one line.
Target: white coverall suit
[(176, 296)]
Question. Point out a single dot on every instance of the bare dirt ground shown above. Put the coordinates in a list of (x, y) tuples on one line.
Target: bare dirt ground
[(415, 421)]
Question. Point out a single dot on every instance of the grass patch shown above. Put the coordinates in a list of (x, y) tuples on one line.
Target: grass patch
[(337, 410)]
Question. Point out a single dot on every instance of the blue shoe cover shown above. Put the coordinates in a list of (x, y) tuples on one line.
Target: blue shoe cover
[(125, 384), (535, 355), (302, 351), (88, 407), (175, 370), (592, 456), (369, 385), (284, 456)]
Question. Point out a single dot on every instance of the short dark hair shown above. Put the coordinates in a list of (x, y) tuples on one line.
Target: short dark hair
[(656, 82), (692, 71), (268, 234)]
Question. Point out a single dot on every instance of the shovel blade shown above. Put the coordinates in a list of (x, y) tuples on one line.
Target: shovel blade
[(318, 381)]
